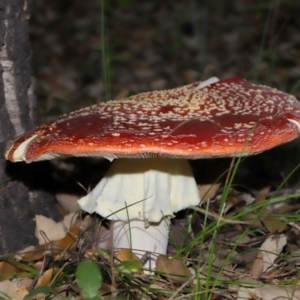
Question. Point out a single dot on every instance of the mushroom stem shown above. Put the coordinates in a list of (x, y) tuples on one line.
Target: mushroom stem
[(151, 239), (139, 194)]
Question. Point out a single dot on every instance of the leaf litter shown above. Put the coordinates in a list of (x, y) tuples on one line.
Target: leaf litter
[(251, 258)]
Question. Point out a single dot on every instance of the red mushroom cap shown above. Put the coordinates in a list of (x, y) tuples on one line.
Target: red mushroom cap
[(226, 118)]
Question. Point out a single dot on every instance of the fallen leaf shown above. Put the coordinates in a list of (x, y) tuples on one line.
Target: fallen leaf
[(129, 262), (274, 224), (258, 265), (55, 247), (233, 201), (262, 194), (51, 229), (276, 292), (46, 278), (7, 270), (173, 269), (12, 289), (208, 191), (267, 254), (68, 202), (69, 220), (34, 253), (126, 254), (245, 293), (26, 282), (68, 240), (248, 290)]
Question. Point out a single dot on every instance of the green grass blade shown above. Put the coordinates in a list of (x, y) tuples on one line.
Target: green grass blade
[(46, 290)]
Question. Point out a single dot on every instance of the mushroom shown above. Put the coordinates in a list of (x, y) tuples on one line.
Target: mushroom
[(150, 137)]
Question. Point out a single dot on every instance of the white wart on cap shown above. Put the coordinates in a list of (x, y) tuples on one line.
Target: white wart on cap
[(224, 118)]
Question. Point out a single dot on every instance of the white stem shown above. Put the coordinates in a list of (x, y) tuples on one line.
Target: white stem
[(152, 239), (145, 192), (145, 189)]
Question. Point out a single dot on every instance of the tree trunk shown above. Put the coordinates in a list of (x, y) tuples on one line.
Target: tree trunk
[(18, 205)]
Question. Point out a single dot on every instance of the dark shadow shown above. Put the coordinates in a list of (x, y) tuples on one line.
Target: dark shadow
[(269, 168), (60, 175)]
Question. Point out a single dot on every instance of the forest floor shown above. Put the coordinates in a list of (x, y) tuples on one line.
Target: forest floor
[(243, 242)]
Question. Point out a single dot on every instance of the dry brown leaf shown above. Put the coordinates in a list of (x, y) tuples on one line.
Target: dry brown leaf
[(274, 224), (51, 229), (173, 269), (208, 191), (39, 265), (231, 201), (67, 202), (129, 262), (271, 249), (258, 266), (238, 200), (69, 220), (276, 292), (274, 273), (20, 255), (63, 244), (248, 292), (26, 282), (262, 194), (126, 255), (46, 278), (267, 254), (55, 247), (271, 222), (90, 253), (249, 256), (7, 270), (254, 295), (36, 253), (12, 289), (105, 289), (68, 240)]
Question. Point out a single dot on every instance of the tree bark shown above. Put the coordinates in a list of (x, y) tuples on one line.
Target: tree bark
[(18, 204)]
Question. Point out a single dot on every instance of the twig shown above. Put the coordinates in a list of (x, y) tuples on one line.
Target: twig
[(182, 287), (218, 217)]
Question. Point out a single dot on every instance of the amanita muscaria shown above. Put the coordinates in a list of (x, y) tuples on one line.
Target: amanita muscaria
[(151, 136)]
